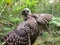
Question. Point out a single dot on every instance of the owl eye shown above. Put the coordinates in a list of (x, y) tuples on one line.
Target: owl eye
[(27, 11), (24, 11)]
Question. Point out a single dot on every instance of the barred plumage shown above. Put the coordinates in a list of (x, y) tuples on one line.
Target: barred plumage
[(19, 36), (42, 20), (27, 32)]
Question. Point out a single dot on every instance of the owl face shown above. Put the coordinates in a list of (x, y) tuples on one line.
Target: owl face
[(26, 12)]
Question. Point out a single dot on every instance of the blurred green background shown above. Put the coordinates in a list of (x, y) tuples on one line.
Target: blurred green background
[(10, 17)]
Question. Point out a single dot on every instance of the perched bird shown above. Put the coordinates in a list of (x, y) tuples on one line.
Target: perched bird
[(43, 19), (27, 31)]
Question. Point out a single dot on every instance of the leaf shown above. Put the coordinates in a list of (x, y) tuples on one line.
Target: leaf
[(8, 1), (2, 2), (7, 28), (45, 35)]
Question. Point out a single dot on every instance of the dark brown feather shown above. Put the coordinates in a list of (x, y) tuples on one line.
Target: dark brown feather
[(19, 36)]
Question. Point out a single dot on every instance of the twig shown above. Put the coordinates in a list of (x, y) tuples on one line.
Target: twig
[(9, 24)]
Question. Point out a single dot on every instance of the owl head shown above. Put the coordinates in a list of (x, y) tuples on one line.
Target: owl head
[(26, 11)]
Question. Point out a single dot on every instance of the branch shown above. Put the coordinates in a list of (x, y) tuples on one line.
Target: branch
[(9, 24)]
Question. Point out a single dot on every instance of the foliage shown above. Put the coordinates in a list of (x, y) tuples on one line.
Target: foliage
[(10, 17), (56, 8), (56, 21)]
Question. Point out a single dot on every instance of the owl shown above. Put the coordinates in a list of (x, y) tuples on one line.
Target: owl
[(27, 32), (42, 19)]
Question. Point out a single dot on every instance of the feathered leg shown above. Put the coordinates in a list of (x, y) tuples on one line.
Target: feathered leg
[(29, 40)]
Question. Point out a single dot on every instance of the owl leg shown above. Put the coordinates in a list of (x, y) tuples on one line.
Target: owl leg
[(29, 40)]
